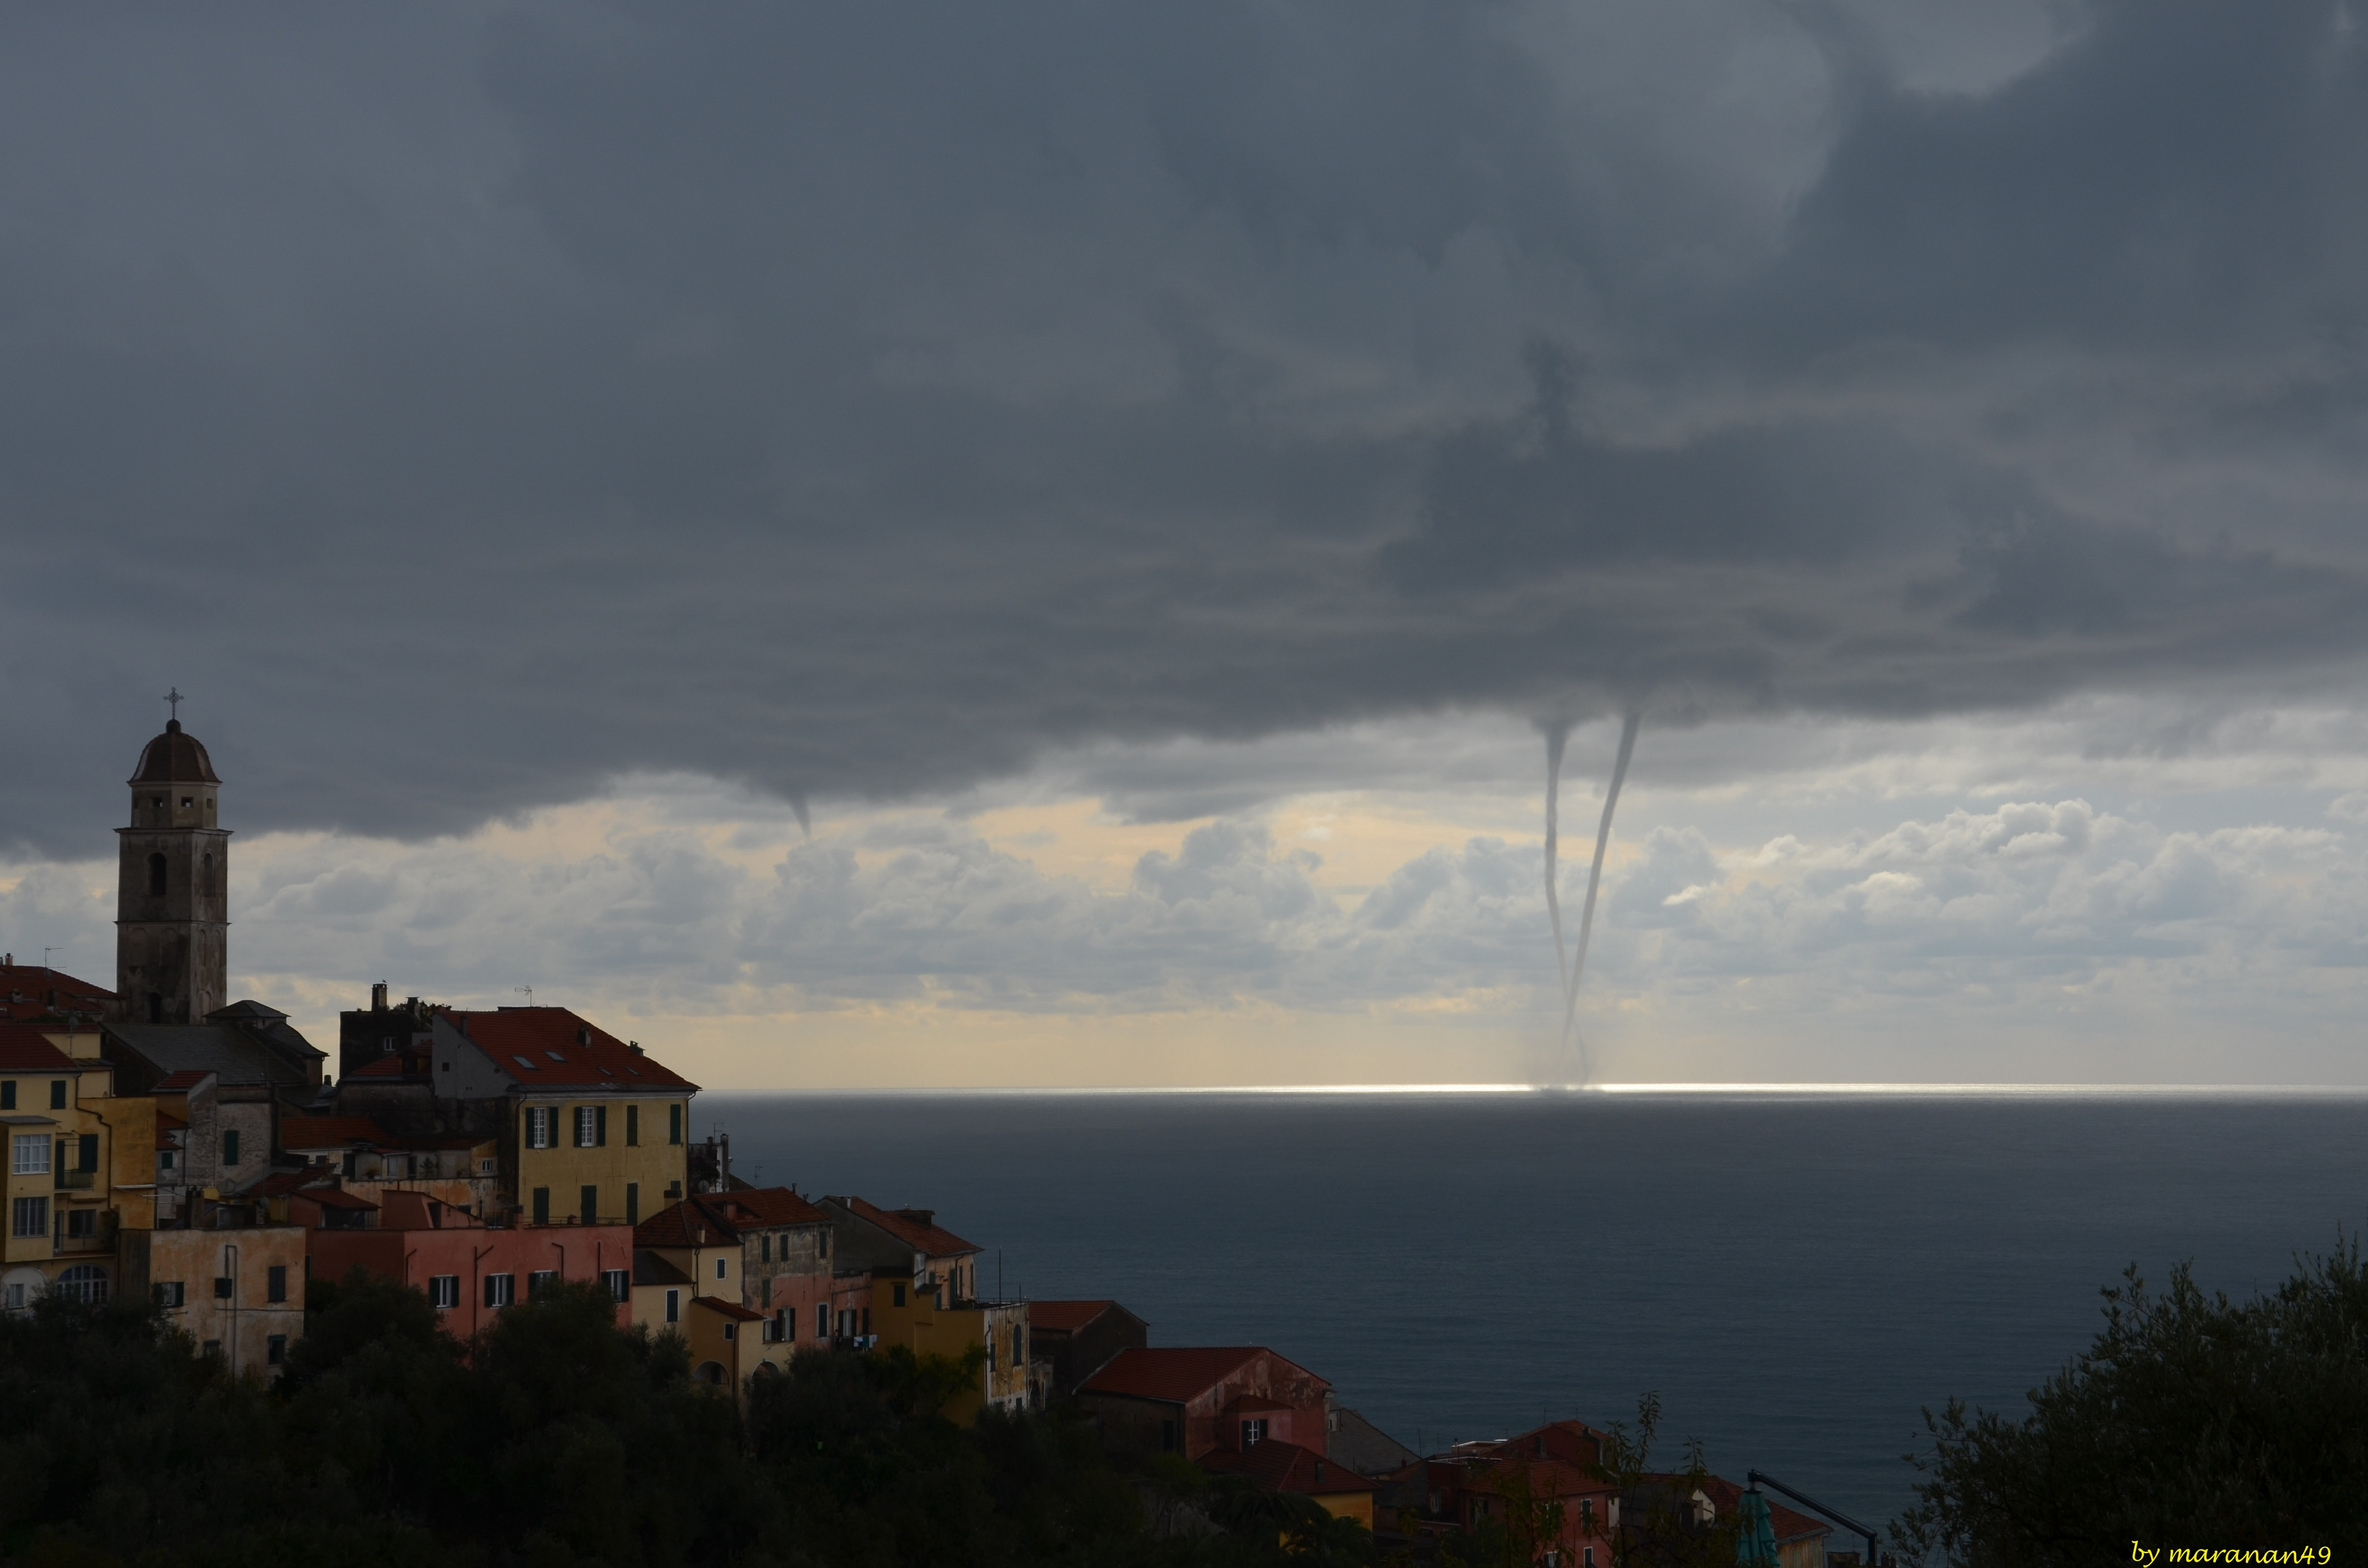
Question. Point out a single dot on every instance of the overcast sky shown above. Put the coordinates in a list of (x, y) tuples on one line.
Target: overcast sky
[(1134, 478)]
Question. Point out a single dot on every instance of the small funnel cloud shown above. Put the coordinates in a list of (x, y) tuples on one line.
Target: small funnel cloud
[(805, 816), (1574, 967), (1557, 736)]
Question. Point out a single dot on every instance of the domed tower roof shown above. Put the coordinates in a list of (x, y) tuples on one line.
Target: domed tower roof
[(174, 757)]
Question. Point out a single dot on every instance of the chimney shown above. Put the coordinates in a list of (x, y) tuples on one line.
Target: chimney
[(584, 1034), (378, 997), (634, 1046)]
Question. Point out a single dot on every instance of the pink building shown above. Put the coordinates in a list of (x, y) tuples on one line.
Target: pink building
[(469, 1269)]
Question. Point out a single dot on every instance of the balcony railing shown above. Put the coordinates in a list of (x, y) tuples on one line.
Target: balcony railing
[(84, 1179)]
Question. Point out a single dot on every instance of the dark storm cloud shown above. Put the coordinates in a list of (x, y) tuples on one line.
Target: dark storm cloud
[(471, 404)]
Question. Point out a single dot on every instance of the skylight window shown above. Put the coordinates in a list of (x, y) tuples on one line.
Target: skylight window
[(530, 1066), (555, 1056)]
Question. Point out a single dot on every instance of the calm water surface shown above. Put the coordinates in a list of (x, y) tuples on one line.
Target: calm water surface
[(1794, 1276)]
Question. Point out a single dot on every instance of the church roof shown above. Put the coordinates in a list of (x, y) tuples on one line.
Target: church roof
[(238, 1058), (174, 757)]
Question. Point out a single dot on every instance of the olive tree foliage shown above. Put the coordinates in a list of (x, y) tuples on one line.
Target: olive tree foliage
[(2191, 1421)]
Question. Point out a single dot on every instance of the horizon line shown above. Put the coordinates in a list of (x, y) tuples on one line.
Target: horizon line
[(1771, 1089)]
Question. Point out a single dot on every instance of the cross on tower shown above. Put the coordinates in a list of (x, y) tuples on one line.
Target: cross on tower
[(176, 699)]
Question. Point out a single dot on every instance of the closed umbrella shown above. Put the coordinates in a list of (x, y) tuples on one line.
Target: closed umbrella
[(1755, 1532)]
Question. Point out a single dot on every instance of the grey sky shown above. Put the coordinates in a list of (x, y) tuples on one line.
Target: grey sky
[(471, 402)]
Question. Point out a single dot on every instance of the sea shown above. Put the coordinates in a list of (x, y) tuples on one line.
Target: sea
[(1797, 1276)]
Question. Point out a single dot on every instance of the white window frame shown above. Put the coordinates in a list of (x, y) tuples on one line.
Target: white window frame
[(538, 1127), (444, 1291), (585, 1119), (537, 1281), (501, 1291), (30, 1155)]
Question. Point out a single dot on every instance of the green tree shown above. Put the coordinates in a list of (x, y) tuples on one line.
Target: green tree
[(2191, 1420)]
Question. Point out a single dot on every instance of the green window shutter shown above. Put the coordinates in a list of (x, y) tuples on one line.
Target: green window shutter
[(632, 1125), (543, 1205), (633, 1203), (57, 1094), (89, 1152), (674, 1124), (591, 1206), (601, 1126), (8, 1095)]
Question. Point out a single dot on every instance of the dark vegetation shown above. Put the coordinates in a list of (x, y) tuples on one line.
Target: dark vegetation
[(558, 1441), (2191, 1421)]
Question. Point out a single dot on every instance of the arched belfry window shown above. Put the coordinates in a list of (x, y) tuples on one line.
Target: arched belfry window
[(155, 873)]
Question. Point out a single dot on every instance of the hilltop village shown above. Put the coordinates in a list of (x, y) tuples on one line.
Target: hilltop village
[(170, 1144)]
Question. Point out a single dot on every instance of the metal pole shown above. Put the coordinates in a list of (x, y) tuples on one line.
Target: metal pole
[(1759, 1478)]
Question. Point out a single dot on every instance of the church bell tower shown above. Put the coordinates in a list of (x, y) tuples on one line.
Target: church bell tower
[(172, 908)]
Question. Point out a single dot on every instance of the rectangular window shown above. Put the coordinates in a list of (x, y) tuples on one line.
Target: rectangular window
[(444, 1290), (1254, 1432), (584, 1127), (29, 1217), (719, 1268), (785, 1324), (275, 1349), (591, 1206), (674, 1306), (821, 1320), (81, 1224), (620, 1283), (1167, 1437), (674, 1124), (543, 1205), (867, 1323), (632, 1125), (274, 1283), (765, 1246), (164, 1160), (57, 1094), (538, 1281), (633, 1203), (32, 1155), (8, 1095), (500, 1288), (86, 1153), (730, 1329), (224, 1286), (897, 1291), (537, 1127), (768, 1289), (230, 1147), (170, 1293), (599, 1127), (822, 1244)]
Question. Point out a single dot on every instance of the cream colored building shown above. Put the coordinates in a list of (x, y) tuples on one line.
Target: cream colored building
[(238, 1292)]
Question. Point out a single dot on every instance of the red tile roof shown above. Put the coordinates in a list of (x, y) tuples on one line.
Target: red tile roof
[(1065, 1317), (328, 1131), (1278, 1466), (22, 1050), (916, 1228), (726, 1217), (181, 1082), (385, 1067), (729, 1309), (551, 1047), (1175, 1373), (33, 985)]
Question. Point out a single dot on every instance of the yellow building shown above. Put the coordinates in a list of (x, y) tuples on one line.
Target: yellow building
[(60, 1220), (925, 1297), (589, 1127), (688, 1281)]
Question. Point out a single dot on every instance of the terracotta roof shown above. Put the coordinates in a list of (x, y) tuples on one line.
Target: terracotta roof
[(334, 1197), (763, 1207), (35, 985), (175, 756), (23, 1049), (649, 1268), (1176, 1373), (1790, 1525), (729, 1309), (551, 1047), (1065, 1317), (1277, 1466), (279, 1183), (916, 1228), (181, 1082), (387, 1067), (328, 1131)]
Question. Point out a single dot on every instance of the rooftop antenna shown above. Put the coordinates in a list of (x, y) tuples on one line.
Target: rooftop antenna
[(176, 699), (529, 993), (45, 959)]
